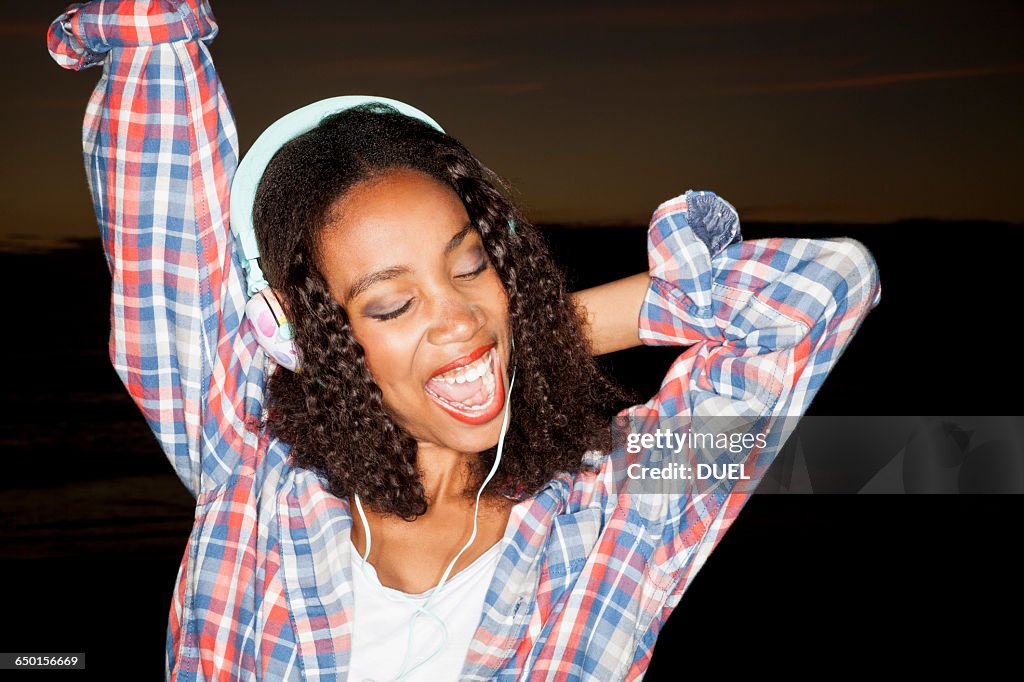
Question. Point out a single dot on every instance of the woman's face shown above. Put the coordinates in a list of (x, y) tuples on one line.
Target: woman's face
[(425, 304)]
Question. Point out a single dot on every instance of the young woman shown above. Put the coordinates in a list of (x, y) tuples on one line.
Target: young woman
[(338, 532)]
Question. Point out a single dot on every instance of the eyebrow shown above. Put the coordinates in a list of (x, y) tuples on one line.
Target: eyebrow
[(385, 274), (454, 242), (373, 278)]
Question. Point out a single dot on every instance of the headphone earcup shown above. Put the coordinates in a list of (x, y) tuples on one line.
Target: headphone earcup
[(273, 331)]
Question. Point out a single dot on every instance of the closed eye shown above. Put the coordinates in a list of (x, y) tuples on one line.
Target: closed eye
[(471, 275), (399, 311), (394, 313)]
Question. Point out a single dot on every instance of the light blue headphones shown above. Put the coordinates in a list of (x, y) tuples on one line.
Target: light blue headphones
[(275, 333)]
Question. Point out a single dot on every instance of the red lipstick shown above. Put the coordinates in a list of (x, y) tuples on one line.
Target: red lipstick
[(464, 360)]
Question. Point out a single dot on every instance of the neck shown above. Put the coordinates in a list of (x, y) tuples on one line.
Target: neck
[(444, 472)]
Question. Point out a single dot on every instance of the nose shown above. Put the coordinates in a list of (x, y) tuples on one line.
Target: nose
[(455, 319)]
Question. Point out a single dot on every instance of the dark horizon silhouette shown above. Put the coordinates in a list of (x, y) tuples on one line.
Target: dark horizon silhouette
[(93, 522)]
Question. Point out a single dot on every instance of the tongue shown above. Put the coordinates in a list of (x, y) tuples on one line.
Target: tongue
[(457, 393)]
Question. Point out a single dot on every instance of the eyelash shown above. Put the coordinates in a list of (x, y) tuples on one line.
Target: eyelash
[(384, 317), (394, 313), (479, 270)]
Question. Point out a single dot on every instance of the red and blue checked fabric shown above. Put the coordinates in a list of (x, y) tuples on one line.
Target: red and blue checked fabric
[(590, 572)]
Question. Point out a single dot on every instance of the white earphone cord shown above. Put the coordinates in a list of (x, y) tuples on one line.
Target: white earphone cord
[(424, 608)]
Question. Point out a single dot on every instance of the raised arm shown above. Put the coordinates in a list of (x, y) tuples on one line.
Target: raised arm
[(160, 150), (768, 319), (765, 321)]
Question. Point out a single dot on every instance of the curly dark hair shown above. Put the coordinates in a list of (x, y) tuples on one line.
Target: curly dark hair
[(333, 413)]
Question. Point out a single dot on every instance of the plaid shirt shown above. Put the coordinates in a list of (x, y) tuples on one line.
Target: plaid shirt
[(264, 590)]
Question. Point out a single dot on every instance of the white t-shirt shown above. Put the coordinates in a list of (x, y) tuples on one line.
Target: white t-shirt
[(381, 626)]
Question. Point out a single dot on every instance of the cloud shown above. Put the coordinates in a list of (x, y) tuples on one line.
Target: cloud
[(410, 66), (875, 80), (514, 88), (709, 14), (503, 19)]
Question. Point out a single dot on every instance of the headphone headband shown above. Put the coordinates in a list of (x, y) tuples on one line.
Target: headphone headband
[(254, 164)]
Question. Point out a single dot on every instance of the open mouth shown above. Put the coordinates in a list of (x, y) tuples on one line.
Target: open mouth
[(472, 393)]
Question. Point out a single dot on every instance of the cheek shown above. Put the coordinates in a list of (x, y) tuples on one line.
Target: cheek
[(498, 301), (386, 352), (493, 292)]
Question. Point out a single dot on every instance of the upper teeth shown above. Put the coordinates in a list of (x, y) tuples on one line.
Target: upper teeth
[(471, 372)]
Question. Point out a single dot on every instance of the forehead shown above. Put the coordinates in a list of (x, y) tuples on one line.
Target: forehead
[(396, 220)]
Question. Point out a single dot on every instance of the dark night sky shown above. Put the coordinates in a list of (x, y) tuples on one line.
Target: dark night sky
[(793, 110)]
